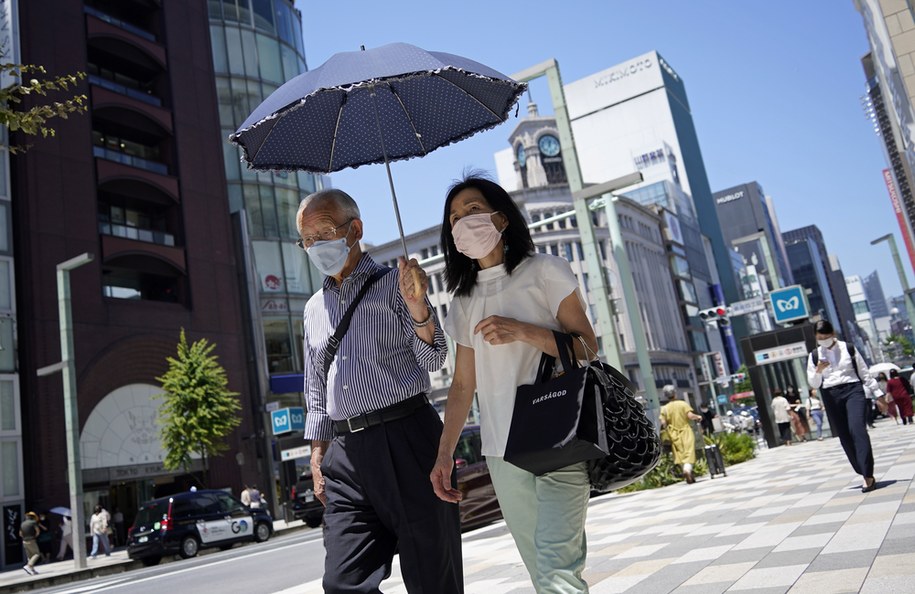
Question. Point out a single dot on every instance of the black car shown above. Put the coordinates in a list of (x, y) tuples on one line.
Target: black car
[(182, 524), (305, 506), (479, 505)]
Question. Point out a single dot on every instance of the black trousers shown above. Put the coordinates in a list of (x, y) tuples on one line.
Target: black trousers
[(847, 409), (380, 502)]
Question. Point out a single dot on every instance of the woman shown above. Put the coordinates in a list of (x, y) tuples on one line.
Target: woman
[(781, 410), (816, 411), (841, 374), (885, 403), (507, 301), (66, 537), (98, 526), (798, 413), (675, 420), (895, 388)]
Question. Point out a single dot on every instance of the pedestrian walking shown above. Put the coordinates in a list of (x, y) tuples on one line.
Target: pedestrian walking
[(28, 532), (816, 411), (798, 412), (246, 496), (256, 500), (675, 419), (66, 537), (896, 389), (45, 537), (507, 302), (374, 434), (98, 526), (119, 534), (781, 411), (841, 374), (708, 416)]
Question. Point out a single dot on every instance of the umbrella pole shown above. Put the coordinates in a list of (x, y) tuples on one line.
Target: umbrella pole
[(387, 166)]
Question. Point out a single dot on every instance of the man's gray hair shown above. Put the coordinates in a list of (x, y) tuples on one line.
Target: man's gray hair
[(669, 389), (345, 204)]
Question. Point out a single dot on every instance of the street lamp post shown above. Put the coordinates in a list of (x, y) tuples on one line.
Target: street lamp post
[(907, 297), (71, 410)]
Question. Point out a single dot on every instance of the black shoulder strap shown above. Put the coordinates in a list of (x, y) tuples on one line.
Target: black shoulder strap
[(854, 361), (815, 356), (333, 343)]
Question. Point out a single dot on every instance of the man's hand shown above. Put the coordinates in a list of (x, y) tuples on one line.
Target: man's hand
[(441, 479), (823, 364), (413, 286), (318, 449)]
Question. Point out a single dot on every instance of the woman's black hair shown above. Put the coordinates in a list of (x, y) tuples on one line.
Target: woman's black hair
[(894, 373), (461, 271), (881, 375), (824, 327)]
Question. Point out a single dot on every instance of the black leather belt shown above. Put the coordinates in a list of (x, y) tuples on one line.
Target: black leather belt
[(400, 410)]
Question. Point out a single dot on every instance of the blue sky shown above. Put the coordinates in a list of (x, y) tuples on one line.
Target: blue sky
[(774, 88)]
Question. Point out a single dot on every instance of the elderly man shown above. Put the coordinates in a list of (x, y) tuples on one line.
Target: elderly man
[(374, 434)]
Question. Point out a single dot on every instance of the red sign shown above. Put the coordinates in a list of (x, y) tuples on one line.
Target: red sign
[(900, 215)]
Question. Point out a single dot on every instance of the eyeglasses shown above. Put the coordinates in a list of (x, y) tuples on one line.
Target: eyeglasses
[(327, 235)]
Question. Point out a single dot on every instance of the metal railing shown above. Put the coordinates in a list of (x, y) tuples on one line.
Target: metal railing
[(125, 90), (119, 23), (119, 157)]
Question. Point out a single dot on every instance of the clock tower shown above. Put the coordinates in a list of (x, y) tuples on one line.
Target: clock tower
[(538, 154)]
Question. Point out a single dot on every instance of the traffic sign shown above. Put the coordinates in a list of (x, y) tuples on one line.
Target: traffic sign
[(789, 304), (286, 420), (742, 308)]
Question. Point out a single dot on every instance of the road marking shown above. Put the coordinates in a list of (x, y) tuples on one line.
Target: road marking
[(203, 565)]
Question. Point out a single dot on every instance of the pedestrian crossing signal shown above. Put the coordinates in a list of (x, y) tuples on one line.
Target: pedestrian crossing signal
[(718, 314)]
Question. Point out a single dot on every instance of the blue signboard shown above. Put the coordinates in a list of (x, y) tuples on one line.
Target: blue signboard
[(286, 420), (789, 304)]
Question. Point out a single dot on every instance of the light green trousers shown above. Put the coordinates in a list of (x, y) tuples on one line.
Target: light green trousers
[(546, 517)]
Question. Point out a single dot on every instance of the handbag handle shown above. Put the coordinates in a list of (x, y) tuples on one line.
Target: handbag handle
[(567, 357)]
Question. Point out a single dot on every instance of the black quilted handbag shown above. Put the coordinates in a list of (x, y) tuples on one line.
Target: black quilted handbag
[(633, 443)]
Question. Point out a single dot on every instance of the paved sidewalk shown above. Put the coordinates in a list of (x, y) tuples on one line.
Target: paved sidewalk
[(62, 572), (792, 520)]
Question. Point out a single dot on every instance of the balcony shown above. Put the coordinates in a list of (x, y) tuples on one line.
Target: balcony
[(118, 157), (160, 119), (125, 90), (135, 233), (129, 250), (131, 42), (112, 171)]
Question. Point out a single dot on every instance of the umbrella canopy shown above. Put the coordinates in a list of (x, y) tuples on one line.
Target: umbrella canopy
[(372, 106), (882, 368), (63, 511)]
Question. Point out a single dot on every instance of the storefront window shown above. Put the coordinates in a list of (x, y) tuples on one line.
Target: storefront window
[(8, 421), (9, 462), (269, 58), (268, 265), (298, 273), (278, 339), (263, 15), (218, 40)]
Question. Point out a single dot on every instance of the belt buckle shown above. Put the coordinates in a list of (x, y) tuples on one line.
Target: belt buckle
[(349, 424)]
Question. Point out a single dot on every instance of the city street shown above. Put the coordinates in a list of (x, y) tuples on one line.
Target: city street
[(791, 520)]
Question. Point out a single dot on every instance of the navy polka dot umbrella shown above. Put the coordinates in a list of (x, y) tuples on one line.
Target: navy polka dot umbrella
[(375, 106)]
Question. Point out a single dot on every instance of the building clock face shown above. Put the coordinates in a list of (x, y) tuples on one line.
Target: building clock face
[(522, 159), (549, 145)]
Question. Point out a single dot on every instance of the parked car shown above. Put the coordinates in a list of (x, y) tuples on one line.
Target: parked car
[(479, 505), (305, 506), (183, 524)]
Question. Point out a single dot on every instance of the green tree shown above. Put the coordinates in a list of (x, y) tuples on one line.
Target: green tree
[(901, 345), (198, 410), (744, 385), (33, 121)]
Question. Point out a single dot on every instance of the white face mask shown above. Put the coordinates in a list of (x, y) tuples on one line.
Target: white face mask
[(329, 257), (827, 343), (476, 235)]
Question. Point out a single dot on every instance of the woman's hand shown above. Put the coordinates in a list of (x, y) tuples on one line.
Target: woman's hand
[(501, 330), (441, 479)]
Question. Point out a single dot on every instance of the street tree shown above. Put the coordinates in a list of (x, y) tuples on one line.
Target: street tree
[(34, 120), (744, 385), (198, 410), (901, 345)]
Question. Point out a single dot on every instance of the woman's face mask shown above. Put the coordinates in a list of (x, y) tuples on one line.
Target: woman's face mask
[(476, 235)]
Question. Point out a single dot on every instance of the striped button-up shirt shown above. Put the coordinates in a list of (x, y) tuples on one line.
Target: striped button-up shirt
[(380, 361)]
